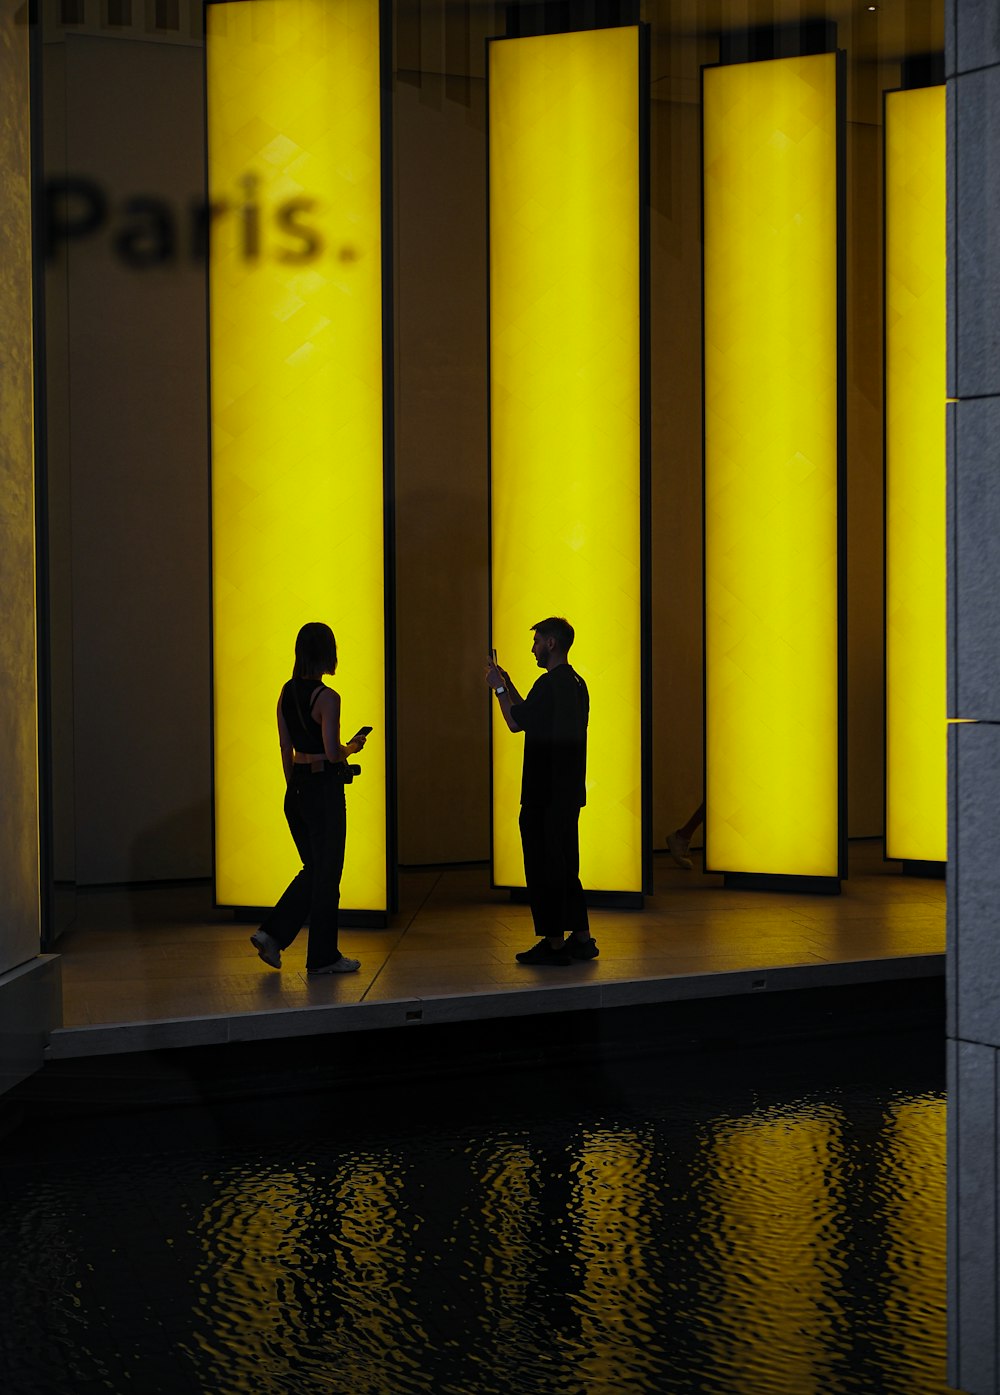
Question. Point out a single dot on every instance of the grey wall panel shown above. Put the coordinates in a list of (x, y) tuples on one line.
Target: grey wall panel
[(972, 44), (950, 37), (976, 875), (977, 291), (951, 245), (30, 1007), (975, 1216), (953, 1214), (975, 648), (952, 958), (972, 34), (951, 481)]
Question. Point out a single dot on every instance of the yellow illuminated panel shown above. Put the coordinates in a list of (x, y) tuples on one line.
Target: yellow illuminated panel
[(565, 406), (916, 703), (770, 295), (296, 398)]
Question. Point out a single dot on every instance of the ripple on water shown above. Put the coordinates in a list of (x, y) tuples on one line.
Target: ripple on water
[(646, 1240)]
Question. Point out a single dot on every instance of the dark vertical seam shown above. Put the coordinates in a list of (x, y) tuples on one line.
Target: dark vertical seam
[(402, 935), (953, 191), (953, 618), (996, 1232), (956, 1242)]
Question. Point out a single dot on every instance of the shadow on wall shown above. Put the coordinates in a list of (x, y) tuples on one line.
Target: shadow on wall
[(175, 848)]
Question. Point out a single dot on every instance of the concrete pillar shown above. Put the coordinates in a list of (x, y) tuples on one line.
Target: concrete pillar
[(28, 982), (972, 44)]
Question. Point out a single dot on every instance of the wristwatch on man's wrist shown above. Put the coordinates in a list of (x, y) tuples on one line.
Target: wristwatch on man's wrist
[(500, 690)]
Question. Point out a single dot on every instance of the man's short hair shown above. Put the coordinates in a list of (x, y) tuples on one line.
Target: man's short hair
[(555, 627)]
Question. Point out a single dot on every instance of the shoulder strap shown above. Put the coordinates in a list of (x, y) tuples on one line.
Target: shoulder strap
[(293, 684), (298, 702)]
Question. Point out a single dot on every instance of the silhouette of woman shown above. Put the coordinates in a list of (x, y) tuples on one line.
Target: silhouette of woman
[(313, 760)]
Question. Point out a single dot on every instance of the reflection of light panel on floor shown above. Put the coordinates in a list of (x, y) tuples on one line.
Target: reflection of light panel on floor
[(916, 703), (296, 358), (771, 466), (565, 412)]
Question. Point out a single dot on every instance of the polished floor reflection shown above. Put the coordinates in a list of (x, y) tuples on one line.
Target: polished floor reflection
[(148, 956), (756, 1223)]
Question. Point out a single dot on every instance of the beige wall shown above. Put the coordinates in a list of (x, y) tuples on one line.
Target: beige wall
[(865, 542), (676, 518), (129, 468), (442, 542), (19, 910), (59, 509)]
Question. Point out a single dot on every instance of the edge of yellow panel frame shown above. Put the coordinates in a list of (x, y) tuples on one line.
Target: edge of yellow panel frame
[(915, 809)]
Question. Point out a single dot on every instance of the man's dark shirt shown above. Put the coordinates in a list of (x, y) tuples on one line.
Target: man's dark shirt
[(554, 718)]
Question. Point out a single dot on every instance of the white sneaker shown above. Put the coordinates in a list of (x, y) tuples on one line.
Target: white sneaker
[(341, 966), (266, 948), (677, 847)]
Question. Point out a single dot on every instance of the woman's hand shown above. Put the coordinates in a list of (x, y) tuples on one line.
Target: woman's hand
[(327, 709)]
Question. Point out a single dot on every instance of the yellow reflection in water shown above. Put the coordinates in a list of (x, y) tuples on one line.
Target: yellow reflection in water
[(618, 1295), (913, 1184), (509, 1215), (307, 1274), (771, 1191), (246, 1237)]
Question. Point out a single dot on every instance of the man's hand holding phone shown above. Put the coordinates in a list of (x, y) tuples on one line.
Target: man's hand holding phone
[(359, 738), (497, 678)]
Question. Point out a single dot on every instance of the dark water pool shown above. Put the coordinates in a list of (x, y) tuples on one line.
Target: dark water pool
[(761, 1221)]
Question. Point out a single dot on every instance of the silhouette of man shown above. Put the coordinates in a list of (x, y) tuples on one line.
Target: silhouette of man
[(554, 719)]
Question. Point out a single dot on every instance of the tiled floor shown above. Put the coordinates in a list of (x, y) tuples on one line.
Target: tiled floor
[(166, 958)]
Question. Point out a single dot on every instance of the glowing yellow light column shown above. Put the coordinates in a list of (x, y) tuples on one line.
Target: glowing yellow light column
[(565, 403), (915, 677), (294, 152), (771, 467)]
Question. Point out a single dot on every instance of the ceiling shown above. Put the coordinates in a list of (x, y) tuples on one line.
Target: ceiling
[(887, 31)]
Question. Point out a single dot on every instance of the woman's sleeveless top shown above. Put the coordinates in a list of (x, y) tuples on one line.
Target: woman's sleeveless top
[(305, 731)]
